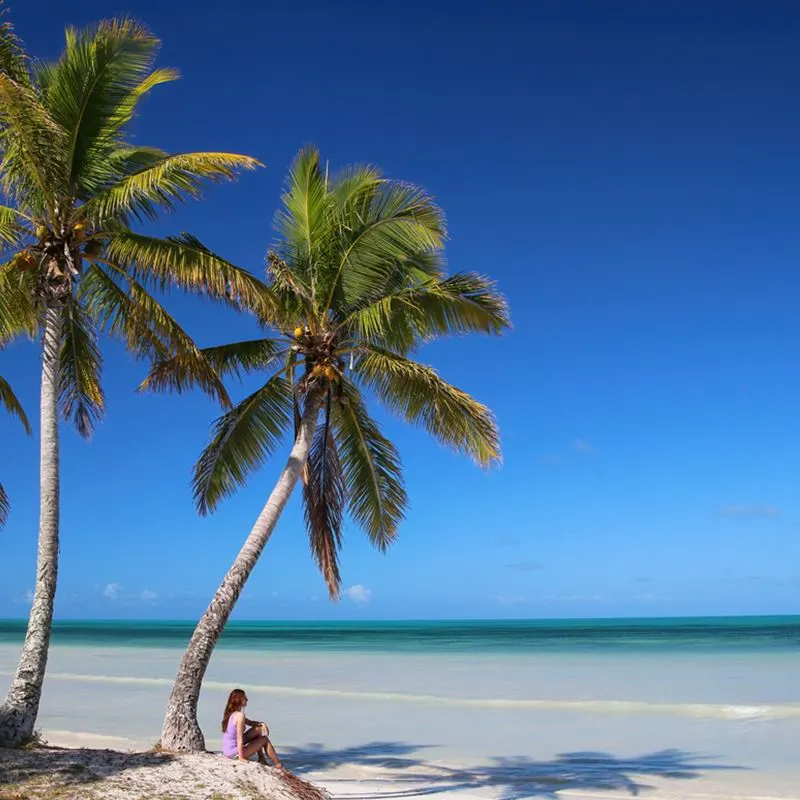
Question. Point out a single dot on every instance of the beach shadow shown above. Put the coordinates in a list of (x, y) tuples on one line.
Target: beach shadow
[(69, 766), (507, 778)]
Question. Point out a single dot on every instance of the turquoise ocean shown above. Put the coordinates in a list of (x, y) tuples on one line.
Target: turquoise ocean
[(779, 634)]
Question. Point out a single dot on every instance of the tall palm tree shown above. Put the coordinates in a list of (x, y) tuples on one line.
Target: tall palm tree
[(14, 407), (74, 264), (357, 284)]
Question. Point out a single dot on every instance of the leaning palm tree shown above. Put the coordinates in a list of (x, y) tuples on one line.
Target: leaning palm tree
[(356, 283), (14, 407), (74, 264)]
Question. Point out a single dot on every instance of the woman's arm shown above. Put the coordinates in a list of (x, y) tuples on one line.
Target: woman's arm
[(240, 735)]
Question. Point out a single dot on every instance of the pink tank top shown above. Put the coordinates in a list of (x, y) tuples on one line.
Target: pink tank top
[(230, 747)]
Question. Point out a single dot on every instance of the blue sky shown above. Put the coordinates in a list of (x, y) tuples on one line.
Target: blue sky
[(628, 172)]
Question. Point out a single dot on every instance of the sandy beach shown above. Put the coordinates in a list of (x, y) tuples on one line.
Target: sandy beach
[(371, 725)]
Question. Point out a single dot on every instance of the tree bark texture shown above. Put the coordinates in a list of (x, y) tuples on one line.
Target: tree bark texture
[(21, 706)]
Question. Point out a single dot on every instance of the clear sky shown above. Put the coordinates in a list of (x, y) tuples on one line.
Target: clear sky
[(628, 172)]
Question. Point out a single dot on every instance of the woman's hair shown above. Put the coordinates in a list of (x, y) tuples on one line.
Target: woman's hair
[(235, 703)]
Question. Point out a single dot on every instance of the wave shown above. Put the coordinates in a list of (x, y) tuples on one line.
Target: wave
[(707, 710)]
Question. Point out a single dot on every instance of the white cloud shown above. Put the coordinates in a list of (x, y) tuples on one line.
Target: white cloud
[(576, 598), (510, 599), (582, 446), (29, 596), (525, 566), (749, 511), (149, 596), (651, 597), (358, 594), (112, 590)]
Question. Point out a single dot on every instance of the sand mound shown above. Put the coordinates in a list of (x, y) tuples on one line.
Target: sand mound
[(54, 773)]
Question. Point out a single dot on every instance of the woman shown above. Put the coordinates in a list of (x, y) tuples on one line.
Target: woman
[(236, 741)]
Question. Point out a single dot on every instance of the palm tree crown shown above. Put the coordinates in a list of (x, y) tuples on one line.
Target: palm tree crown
[(356, 284), (76, 187)]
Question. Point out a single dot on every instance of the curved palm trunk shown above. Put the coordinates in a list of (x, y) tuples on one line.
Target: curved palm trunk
[(21, 706), (181, 732)]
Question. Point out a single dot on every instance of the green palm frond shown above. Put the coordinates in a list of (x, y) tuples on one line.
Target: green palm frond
[(180, 373), (388, 223), (372, 469), (5, 507), (242, 439), (303, 222), (18, 306), (80, 395), (352, 182), (96, 73), (161, 185), (14, 61), (9, 401), (186, 263), (417, 394), (324, 492), (459, 304), (13, 229), (33, 146), (108, 156), (131, 313)]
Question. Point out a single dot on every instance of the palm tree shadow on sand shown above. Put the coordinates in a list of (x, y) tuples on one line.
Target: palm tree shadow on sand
[(507, 777)]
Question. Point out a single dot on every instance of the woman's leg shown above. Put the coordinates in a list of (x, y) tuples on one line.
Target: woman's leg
[(270, 750), (255, 746)]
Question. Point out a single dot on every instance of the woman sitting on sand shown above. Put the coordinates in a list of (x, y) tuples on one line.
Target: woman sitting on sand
[(236, 741)]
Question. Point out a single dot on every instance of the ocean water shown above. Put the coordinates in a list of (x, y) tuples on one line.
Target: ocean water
[(459, 693), (707, 634)]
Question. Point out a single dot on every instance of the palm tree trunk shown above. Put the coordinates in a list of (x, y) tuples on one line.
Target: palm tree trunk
[(181, 732), (21, 706)]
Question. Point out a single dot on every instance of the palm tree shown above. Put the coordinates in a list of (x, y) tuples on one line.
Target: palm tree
[(74, 264), (14, 407), (357, 283)]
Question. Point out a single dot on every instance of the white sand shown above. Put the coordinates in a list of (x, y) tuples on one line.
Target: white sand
[(396, 727)]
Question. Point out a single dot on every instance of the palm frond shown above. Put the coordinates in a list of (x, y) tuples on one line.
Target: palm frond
[(32, 145), (80, 395), (323, 504), (372, 469), (186, 263), (14, 61), (180, 373), (388, 223), (5, 507), (9, 400), (353, 182), (97, 71), (417, 394), (13, 229), (242, 439), (302, 221), (18, 308), (161, 185), (293, 297), (459, 304), (131, 313)]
